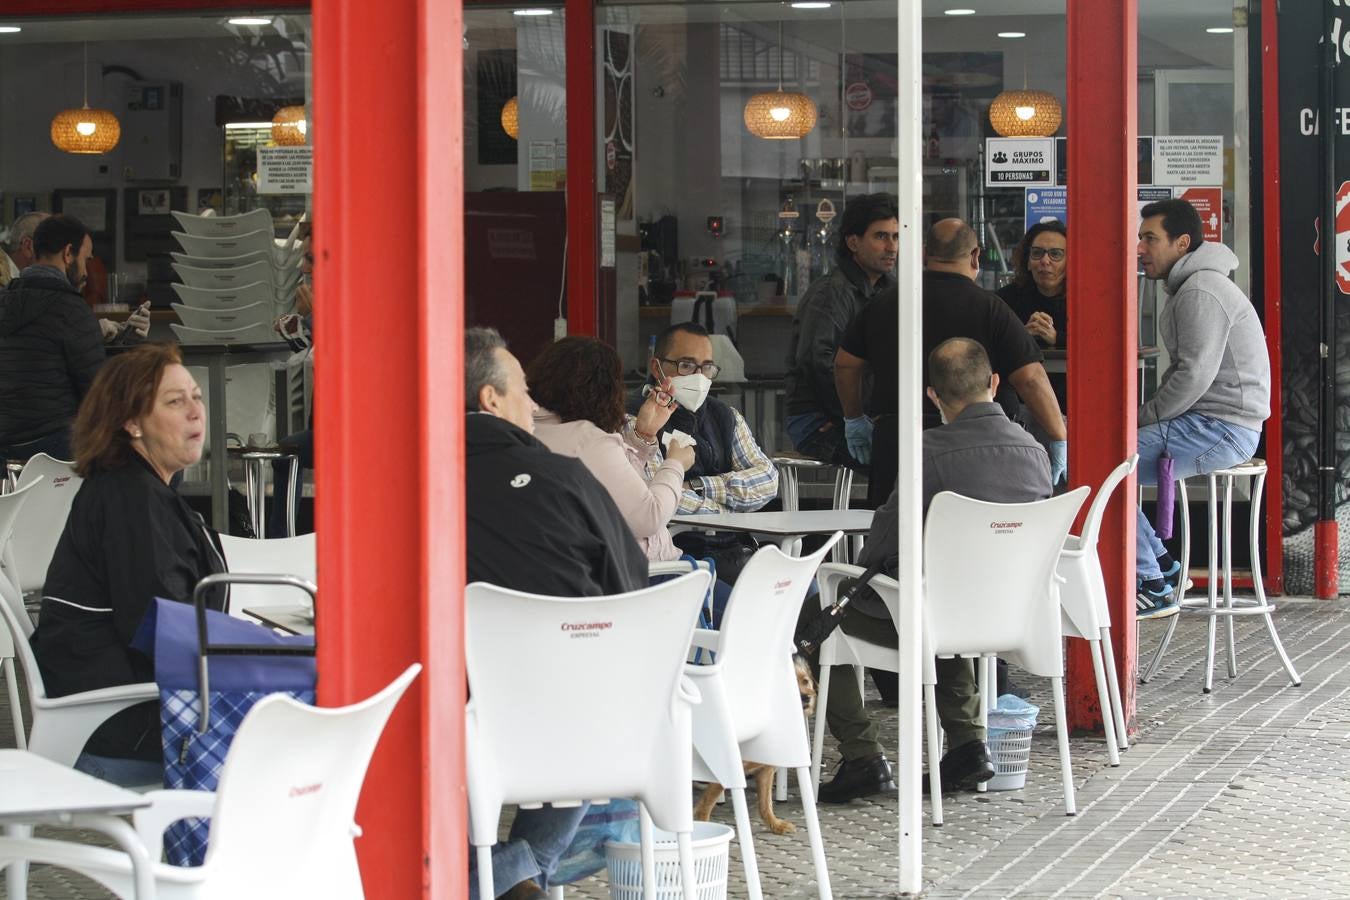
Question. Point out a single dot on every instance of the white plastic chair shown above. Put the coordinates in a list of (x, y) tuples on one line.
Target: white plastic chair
[(272, 556), (43, 517), (752, 708), (62, 725), (1086, 612), (11, 598), (605, 685), (990, 590), (281, 820)]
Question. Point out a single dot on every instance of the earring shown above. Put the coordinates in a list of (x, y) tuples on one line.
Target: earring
[(136, 435)]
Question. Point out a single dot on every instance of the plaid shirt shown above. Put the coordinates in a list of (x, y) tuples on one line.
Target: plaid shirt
[(752, 482)]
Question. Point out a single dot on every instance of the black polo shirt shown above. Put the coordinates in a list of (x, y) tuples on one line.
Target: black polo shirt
[(953, 306)]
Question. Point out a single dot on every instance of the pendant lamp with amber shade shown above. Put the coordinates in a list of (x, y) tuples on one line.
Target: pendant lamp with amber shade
[(289, 127), (780, 115), (511, 118), (85, 130), (1025, 113)]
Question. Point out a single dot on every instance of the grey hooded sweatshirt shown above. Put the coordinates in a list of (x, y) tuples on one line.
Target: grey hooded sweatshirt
[(1220, 366)]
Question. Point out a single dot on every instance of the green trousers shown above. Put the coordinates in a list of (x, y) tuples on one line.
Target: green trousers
[(957, 693)]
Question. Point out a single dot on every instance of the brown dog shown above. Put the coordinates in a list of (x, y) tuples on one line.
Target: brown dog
[(763, 774)]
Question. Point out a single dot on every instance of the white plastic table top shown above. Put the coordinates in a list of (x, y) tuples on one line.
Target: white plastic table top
[(34, 790), (783, 524), (35, 787)]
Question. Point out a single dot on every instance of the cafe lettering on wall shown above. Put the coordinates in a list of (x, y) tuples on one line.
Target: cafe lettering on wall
[(1302, 192)]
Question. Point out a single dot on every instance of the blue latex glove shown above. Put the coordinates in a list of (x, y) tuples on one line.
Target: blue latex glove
[(1059, 461), (858, 433)]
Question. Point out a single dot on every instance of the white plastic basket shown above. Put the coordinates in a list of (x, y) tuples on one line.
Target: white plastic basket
[(1010, 750), (711, 843)]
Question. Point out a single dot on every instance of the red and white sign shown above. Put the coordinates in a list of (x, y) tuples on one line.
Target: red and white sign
[(1208, 202), (858, 96), (1342, 237)]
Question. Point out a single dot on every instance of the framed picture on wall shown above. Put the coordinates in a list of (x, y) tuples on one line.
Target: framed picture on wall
[(97, 210), (152, 202)]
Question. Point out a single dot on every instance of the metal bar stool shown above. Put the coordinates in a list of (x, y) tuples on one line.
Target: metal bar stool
[(789, 467), (1231, 607), (255, 487)]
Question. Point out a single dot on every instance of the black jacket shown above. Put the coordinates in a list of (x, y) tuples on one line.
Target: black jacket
[(129, 539), (539, 522), (50, 349), (825, 310)]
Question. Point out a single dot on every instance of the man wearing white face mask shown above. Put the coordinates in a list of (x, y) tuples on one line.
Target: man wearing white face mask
[(730, 472)]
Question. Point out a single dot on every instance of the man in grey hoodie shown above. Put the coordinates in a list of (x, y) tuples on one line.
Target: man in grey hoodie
[(1215, 394)]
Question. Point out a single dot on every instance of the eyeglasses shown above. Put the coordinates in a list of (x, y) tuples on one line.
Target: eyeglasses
[(689, 367), (661, 397), (1055, 253)]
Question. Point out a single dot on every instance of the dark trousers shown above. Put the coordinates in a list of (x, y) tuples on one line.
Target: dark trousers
[(957, 693), (829, 445), (56, 444), (885, 446)]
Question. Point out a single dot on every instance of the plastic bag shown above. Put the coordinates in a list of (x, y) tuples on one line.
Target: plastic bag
[(1012, 713)]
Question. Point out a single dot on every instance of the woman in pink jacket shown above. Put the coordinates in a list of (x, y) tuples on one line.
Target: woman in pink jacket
[(578, 384)]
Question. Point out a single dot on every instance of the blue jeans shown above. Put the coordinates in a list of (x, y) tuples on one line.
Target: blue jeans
[(302, 444), (822, 438), (56, 444), (538, 841), (123, 772), (1199, 445)]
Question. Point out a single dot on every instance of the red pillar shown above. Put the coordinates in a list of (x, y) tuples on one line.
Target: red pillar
[(582, 234), (1103, 309), (1273, 314), (388, 204)]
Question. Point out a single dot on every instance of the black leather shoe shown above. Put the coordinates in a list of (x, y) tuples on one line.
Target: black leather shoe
[(964, 768), (858, 778)]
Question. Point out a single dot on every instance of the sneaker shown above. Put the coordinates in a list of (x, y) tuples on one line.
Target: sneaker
[(1150, 604), (528, 889)]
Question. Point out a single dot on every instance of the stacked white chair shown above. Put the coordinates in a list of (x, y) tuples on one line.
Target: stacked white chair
[(752, 708), (237, 278), (1087, 612), (614, 703), (266, 840)]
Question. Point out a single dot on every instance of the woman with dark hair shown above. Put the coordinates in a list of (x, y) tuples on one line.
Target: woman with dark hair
[(1039, 294), (129, 539), (578, 384)]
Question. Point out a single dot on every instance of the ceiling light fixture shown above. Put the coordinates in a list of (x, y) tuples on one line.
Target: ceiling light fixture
[(289, 127), (811, 4), (958, 12), (256, 21), (10, 29), (531, 12), (85, 130), (1220, 30), (1025, 113), (780, 115), (1012, 34), (511, 118)]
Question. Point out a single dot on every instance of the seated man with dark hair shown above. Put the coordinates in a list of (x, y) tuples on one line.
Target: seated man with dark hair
[(541, 523), (977, 453)]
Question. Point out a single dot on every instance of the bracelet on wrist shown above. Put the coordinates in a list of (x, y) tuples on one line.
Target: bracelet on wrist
[(644, 437)]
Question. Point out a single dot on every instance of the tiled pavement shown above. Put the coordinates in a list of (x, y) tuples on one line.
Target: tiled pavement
[(1240, 793)]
